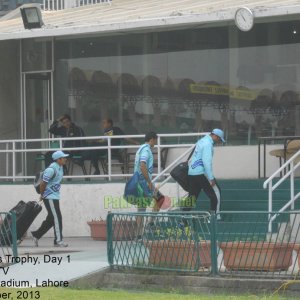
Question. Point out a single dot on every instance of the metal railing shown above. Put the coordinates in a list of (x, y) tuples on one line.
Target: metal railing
[(246, 247), (290, 166), (145, 240), (8, 238), (15, 153), (64, 4), (197, 243)]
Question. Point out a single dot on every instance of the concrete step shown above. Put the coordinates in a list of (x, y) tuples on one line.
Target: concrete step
[(239, 195)]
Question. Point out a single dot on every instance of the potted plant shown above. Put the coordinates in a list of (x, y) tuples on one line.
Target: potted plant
[(98, 229), (179, 249), (122, 229), (257, 255)]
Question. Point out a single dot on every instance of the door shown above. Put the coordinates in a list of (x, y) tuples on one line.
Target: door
[(38, 105), (37, 115)]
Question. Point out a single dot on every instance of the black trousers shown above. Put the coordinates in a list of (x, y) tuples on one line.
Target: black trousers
[(197, 183), (96, 155), (53, 219)]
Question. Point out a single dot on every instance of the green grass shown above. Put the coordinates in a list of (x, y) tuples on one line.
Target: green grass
[(68, 294)]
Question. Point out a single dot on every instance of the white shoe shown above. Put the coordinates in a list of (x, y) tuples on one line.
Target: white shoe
[(35, 240), (61, 244)]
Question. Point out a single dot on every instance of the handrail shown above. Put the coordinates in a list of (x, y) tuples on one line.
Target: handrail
[(175, 162), (90, 148), (50, 5), (290, 164), (277, 172), (12, 148), (98, 137)]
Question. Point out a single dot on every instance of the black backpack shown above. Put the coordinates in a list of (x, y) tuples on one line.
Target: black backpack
[(180, 173)]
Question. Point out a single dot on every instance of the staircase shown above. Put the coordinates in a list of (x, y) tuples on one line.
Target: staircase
[(249, 195), (273, 197)]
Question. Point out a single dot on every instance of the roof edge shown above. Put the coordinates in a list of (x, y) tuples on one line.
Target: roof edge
[(139, 25)]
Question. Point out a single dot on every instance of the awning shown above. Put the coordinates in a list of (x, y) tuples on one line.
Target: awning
[(138, 15)]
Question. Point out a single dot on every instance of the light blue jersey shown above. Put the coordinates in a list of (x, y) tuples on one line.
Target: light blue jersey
[(53, 176), (144, 154), (201, 161)]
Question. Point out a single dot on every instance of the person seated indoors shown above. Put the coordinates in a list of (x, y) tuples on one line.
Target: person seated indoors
[(64, 127), (108, 130)]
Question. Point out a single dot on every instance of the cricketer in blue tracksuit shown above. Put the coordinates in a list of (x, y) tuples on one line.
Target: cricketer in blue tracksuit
[(200, 172)]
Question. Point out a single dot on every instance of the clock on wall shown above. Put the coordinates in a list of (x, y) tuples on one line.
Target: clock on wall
[(244, 19)]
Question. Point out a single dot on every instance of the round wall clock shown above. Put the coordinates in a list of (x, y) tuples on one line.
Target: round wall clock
[(244, 19)]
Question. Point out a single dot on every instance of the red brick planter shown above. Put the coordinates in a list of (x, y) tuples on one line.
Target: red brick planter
[(123, 230), (98, 230), (179, 254), (257, 256)]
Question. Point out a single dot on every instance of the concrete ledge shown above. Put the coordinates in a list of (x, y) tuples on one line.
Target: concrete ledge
[(170, 282), (90, 281)]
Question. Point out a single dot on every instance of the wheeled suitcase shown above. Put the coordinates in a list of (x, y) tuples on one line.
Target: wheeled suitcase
[(25, 215)]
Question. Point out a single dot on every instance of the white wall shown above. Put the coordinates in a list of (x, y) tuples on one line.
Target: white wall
[(79, 203), (239, 162)]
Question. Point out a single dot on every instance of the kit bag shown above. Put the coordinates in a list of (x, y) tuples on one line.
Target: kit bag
[(180, 173)]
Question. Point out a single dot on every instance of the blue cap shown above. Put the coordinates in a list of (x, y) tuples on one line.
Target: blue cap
[(59, 154), (219, 133)]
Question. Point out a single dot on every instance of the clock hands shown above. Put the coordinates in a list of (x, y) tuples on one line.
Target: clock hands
[(244, 19)]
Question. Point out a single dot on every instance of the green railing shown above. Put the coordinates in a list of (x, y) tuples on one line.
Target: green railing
[(8, 237), (227, 244)]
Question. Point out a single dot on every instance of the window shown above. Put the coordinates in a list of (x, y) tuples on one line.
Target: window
[(184, 81)]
